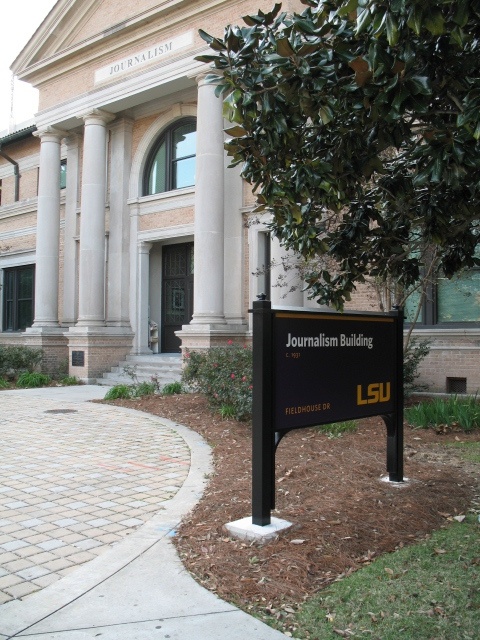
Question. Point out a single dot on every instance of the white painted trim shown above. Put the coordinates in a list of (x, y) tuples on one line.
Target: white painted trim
[(18, 208), (18, 259), (178, 199), (166, 233)]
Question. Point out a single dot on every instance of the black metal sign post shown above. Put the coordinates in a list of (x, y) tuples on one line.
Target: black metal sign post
[(312, 368), (394, 421), (263, 446)]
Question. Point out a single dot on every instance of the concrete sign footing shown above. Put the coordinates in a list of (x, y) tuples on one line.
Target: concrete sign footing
[(245, 530)]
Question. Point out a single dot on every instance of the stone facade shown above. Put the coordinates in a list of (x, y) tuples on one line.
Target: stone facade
[(112, 255)]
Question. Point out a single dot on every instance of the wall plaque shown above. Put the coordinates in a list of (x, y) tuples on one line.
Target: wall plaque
[(78, 358)]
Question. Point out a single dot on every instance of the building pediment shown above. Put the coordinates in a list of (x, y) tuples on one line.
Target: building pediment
[(75, 30)]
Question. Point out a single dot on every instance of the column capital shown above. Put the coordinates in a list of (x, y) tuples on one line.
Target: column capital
[(50, 134), (97, 116), (144, 247), (201, 78)]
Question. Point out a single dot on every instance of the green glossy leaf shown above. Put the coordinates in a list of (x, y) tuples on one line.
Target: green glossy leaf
[(415, 19), (419, 85), (435, 22), (476, 133), (309, 47), (205, 36), (236, 132), (347, 7), (461, 13), (206, 58), (392, 30), (364, 18), (284, 48)]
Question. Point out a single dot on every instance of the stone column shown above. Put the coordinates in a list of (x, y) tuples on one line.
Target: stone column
[(209, 211), (119, 227), (286, 285), (234, 246), (48, 229), (92, 224), (143, 294), (70, 244)]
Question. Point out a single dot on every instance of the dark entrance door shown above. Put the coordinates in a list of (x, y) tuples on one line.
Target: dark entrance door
[(177, 293)]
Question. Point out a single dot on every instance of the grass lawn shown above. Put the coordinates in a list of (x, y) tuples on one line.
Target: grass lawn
[(428, 591)]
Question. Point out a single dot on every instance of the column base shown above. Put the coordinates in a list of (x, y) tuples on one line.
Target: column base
[(92, 351), (206, 336), (53, 343)]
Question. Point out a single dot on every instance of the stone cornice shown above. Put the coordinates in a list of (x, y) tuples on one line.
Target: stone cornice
[(154, 80), (18, 208)]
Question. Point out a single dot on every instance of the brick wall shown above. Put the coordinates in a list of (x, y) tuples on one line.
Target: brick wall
[(166, 219)]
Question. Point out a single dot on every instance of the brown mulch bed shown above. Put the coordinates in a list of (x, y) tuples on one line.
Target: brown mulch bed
[(343, 515)]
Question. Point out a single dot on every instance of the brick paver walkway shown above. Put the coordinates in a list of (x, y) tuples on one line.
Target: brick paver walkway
[(74, 479)]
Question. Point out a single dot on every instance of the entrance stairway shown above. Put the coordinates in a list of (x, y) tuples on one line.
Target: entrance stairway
[(167, 367)]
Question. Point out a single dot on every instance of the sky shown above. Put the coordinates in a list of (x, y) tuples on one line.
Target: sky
[(20, 19)]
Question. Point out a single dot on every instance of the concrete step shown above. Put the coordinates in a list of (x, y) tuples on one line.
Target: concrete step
[(165, 367)]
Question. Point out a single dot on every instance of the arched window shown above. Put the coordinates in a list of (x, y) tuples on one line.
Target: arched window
[(171, 164)]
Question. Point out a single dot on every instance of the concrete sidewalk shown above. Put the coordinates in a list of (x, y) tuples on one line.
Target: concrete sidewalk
[(90, 497)]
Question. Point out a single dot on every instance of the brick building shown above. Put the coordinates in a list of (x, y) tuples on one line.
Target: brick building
[(122, 231)]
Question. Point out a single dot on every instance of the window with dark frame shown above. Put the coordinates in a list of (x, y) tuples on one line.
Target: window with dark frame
[(171, 163), (18, 297), (451, 302)]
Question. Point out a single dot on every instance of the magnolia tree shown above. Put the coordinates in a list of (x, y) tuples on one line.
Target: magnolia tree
[(358, 122)]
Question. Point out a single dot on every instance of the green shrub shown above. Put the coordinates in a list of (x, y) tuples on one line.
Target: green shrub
[(18, 359), (69, 381), (172, 388), (143, 389), (4, 384), (119, 391), (337, 429), (33, 379), (227, 411), (224, 375), (451, 412)]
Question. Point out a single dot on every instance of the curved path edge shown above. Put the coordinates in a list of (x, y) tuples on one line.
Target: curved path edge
[(139, 588)]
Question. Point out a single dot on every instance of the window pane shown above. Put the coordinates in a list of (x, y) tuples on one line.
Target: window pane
[(157, 177), (8, 281), (184, 173), (63, 175), (184, 141), (25, 314), (459, 298), (25, 283), (18, 298), (8, 316)]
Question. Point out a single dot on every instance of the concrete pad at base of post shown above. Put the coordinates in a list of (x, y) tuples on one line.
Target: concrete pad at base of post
[(404, 482), (246, 530)]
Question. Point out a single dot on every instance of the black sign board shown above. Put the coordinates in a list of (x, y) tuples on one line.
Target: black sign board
[(312, 368), (78, 358), (332, 367)]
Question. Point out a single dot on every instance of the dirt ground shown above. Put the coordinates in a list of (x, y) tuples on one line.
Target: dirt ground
[(343, 514)]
